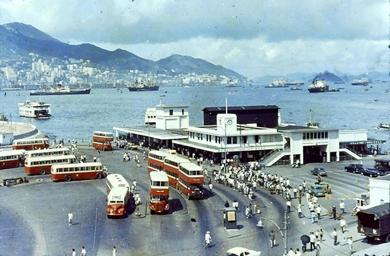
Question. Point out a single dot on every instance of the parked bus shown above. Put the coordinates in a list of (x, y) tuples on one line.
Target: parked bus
[(156, 160), (171, 167), (116, 180), (159, 192), (48, 152), (383, 165), (42, 165), (77, 171), (191, 180), (30, 144), (11, 158), (102, 140), (374, 222)]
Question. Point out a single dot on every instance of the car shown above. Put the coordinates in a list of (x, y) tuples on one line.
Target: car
[(319, 171), (320, 190), (240, 251), (372, 172), (354, 168)]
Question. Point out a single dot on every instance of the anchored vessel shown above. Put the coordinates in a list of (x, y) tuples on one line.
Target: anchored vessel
[(34, 109), (363, 82), (61, 90), (143, 86), (320, 86), (277, 84)]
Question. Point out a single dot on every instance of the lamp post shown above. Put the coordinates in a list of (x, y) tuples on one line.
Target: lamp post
[(283, 232)]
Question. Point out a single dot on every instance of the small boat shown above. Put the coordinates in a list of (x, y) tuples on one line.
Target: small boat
[(61, 90), (34, 109), (384, 126), (363, 82)]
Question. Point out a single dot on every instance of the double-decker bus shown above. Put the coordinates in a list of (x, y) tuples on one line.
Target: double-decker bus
[(159, 192), (11, 158), (30, 144), (191, 180), (171, 167), (102, 140), (42, 165), (77, 171), (156, 160), (382, 165), (48, 152), (118, 195)]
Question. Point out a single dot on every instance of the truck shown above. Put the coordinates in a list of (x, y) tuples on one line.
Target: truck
[(374, 222)]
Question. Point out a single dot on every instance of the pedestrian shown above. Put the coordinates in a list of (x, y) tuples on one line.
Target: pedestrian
[(343, 224), (342, 206), (235, 204), (260, 223), (349, 242), (297, 252), (291, 252), (313, 216), (299, 209), (207, 239), (73, 252), (83, 251), (114, 251), (318, 248), (211, 187), (312, 241), (334, 212), (70, 218), (318, 211), (288, 204), (226, 203), (272, 238), (247, 212), (334, 235), (321, 234)]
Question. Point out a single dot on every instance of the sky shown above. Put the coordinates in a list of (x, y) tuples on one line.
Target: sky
[(253, 37)]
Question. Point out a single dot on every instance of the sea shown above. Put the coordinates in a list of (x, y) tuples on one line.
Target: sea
[(75, 117)]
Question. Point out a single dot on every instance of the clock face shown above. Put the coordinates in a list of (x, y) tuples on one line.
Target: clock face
[(229, 122)]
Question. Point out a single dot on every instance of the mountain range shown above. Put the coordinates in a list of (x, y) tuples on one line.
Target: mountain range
[(18, 40)]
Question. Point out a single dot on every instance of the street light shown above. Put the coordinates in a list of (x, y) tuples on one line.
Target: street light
[(284, 235)]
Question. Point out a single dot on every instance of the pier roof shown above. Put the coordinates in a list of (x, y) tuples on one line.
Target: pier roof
[(154, 132)]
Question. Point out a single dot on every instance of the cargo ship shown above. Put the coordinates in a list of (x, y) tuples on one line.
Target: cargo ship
[(143, 86), (320, 86), (363, 82), (61, 90)]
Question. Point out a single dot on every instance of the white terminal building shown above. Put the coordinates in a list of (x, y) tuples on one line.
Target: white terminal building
[(249, 142)]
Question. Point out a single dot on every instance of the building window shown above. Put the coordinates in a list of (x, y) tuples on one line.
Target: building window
[(171, 112), (244, 139), (326, 135), (182, 112), (234, 140), (229, 140), (304, 136)]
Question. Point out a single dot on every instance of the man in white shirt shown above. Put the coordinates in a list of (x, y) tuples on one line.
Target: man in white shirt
[(83, 251), (70, 218)]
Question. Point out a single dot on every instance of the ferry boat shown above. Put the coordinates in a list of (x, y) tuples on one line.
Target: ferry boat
[(143, 86), (61, 90), (278, 83), (34, 109), (320, 86), (384, 126), (363, 82)]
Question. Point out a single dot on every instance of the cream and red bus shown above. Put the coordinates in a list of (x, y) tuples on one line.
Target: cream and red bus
[(48, 152), (191, 180), (77, 171), (171, 167), (159, 192), (42, 165), (118, 194), (11, 158), (30, 144), (156, 160), (102, 140)]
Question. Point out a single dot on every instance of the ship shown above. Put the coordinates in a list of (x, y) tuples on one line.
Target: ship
[(295, 83), (34, 109), (363, 82), (143, 86), (320, 86), (61, 90), (278, 83)]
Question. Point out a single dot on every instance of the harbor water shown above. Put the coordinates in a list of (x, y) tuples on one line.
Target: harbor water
[(77, 116)]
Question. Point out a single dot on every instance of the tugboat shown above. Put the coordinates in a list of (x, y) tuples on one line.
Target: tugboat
[(320, 86), (384, 126), (61, 90), (143, 86), (34, 109)]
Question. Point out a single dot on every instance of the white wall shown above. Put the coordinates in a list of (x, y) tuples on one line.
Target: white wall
[(379, 191), (6, 138), (352, 135)]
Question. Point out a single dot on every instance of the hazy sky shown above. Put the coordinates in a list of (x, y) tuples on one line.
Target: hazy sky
[(255, 38)]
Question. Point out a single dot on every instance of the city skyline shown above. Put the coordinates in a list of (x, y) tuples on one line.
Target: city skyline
[(254, 38)]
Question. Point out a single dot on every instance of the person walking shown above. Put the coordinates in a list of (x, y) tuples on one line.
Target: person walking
[(291, 252), (349, 242), (83, 251), (70, 219), (334, 212), (297, 252), (207, 239), (318, 211), (211, 187), (114, 251), (288, 204), (342, 206), (334, 235), (321, 234), (312, 241), (343, 224), (73, 252), (299, 209), (272, 238), (227, 204)]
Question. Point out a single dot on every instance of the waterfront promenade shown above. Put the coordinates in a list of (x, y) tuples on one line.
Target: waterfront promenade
[(34, 215)]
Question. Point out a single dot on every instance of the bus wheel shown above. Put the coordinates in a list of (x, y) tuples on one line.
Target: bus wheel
[(68, 178), (43, 172), (98, 176)]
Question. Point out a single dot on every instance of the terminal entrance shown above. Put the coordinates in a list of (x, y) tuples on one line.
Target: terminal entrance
[(314, 154)]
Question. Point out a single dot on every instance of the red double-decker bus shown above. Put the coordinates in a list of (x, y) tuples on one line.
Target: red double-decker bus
[(11, 158), (77, 171), (118, 195), (30, 144), (171, 167), (159, 192), (42, 165), (191, 180), (102, 140), (156, 160)]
